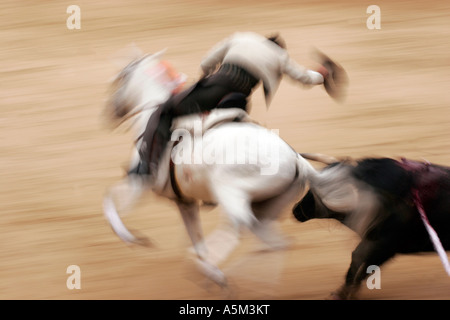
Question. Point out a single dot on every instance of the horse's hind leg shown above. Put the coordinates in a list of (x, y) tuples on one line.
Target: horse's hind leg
[(205, 262), (266, 229), (269, 211), (236, 205), (258, 217)]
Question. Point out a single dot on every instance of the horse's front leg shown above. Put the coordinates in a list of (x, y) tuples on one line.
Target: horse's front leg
[(121, 197)]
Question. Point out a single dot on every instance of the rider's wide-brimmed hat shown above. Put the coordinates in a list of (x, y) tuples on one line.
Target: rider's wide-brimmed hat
[(336, 82)]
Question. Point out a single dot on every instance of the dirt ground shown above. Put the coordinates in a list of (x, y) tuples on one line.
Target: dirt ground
[(58, 158)]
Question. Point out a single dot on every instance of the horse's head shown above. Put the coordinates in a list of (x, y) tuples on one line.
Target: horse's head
[(145, 80)]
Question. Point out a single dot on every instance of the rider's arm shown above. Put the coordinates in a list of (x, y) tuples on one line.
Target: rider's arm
[(300, 73), (214, 57)]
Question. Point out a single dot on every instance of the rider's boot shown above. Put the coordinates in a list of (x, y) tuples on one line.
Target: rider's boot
[(141, 168), (145, 171)]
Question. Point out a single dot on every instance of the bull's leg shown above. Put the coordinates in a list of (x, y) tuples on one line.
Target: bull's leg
[(367, 253)]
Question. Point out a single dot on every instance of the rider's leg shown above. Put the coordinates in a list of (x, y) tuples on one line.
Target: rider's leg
[(157, 132), (203, 96), (199, 100), (142, 168), (160, 139)]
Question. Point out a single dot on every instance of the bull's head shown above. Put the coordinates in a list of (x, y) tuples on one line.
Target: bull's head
[(337, 194), (312, 207), (305, 209), (331, 195)]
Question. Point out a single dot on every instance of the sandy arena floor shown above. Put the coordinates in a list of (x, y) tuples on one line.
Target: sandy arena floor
[(57, 157)]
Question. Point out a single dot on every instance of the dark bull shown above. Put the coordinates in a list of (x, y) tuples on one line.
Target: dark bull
[(381, 199)]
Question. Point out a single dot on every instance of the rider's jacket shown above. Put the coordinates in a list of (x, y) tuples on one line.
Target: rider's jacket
[(260, 57)]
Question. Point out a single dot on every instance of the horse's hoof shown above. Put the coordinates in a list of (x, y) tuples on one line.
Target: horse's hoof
[(209, 204), (334, 296), (212, 273)]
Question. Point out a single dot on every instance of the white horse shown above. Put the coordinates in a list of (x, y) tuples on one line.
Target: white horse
[(246, 169)]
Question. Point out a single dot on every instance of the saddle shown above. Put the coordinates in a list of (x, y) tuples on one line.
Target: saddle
[(165, 182), (208, 120)]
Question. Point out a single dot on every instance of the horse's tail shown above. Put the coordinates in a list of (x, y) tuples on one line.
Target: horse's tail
[(313, 176), (334, 186), (306, 171), (319, 157)]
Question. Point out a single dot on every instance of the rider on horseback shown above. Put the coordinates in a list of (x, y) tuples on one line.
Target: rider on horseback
[(244, 60)]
